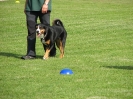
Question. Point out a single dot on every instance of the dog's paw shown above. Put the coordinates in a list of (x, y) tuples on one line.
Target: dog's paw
[(44, 58)]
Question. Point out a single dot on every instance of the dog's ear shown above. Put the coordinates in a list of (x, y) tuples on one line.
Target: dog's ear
[(44, 26)]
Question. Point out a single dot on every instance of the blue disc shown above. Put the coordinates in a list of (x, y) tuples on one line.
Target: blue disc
[(66, 71)]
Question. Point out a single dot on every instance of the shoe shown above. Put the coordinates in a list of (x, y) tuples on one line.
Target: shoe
[(26, 57)]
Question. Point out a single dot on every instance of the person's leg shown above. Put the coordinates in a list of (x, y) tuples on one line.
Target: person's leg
[(31, 18), (45, 19)]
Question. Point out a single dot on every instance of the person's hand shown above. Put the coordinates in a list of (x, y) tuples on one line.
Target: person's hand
[(44, 8)]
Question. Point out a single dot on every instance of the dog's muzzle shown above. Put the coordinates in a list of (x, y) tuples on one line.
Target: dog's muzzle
[(38, 32)]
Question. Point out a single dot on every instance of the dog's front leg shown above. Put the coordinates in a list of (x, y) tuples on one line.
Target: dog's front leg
[(46, 55), (47, 51)]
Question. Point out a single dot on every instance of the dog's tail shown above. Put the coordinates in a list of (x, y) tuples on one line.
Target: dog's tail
[(58, 22)]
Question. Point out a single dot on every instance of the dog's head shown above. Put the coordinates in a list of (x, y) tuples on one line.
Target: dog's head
[(41, 30)]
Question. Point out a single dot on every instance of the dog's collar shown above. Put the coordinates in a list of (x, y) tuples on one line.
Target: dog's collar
[(42, 36), (43, 41)]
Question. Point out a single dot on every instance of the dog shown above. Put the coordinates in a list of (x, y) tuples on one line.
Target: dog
[(51, 35)]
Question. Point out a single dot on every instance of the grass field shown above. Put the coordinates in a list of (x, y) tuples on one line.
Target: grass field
[(99, 50)]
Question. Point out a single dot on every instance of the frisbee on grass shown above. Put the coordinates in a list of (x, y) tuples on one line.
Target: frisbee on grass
[(66, 71)]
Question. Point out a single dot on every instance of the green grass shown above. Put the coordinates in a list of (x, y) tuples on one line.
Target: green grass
[(99, 50)]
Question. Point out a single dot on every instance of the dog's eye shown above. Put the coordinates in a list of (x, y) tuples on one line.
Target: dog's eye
[(40, 27), (36, 27)]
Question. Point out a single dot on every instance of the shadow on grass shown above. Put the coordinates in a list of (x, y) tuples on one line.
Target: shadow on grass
[(119, 67), (7, 54)]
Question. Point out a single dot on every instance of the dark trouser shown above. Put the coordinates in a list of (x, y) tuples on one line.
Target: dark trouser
[(31, 18)]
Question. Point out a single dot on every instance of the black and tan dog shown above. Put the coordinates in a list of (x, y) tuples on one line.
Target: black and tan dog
[(52, 34)]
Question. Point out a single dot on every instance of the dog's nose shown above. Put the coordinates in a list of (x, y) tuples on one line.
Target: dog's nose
[(37, 32)]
